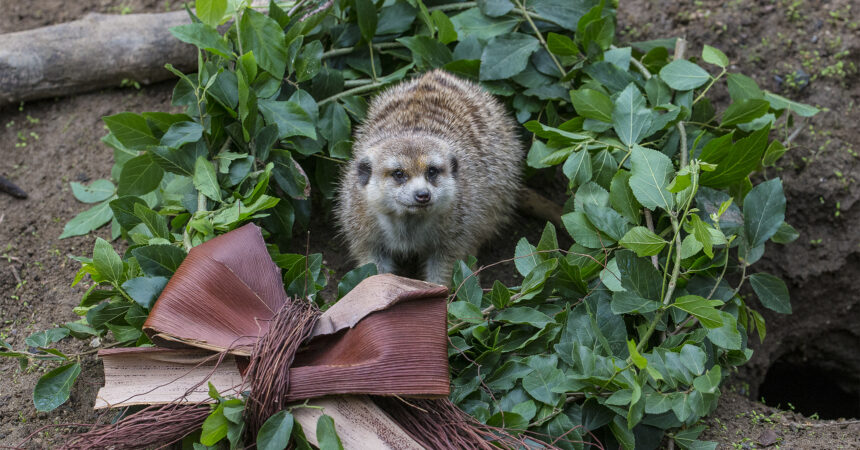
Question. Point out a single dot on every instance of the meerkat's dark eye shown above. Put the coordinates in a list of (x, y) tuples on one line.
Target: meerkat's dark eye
[(398, 175), (432, 172)]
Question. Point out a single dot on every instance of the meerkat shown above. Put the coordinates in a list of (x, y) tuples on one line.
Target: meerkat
[(435, 172)]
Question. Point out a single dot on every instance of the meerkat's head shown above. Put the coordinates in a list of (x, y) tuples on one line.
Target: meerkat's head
[(408, 175)]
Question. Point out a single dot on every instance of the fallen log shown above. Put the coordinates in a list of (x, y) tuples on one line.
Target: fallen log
[(97, 51)]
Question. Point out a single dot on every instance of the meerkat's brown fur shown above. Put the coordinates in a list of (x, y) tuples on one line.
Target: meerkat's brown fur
[(436, 170)]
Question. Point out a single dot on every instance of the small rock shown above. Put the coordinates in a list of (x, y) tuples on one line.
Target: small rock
[(768, 438)]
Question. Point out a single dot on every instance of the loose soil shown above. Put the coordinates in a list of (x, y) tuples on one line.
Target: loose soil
[(816, 41)]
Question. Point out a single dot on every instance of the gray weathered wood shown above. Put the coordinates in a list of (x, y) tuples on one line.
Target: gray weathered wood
[(95, 52)]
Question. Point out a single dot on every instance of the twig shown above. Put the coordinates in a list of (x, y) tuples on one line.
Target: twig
[(680, 48), (321, 8), (794, 134), (348, 50), (540, 36), (353, 91), (649, 222), (639, 66)]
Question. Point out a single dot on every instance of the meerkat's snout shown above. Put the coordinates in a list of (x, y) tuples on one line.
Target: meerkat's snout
[(422, 196)]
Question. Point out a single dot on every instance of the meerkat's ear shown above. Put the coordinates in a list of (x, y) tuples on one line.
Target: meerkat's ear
[(454, 165), (364, 171)]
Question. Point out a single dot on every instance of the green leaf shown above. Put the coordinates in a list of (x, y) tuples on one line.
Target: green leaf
[(578, 168), (682, 75), (214, 427), (107, 262), (566, 13), (592, 104), (123, 210), (524, 315), (561, 45), (144, 290), (465, 311), (46, 337), (140, 175), (289, 175), (631, 119), (535, 280), (88, 220), (262, 35), (130, 130), (367, 19), (703, 309), (203, 36), (622, 199), (210, 11), (651, 174), (308, 63), (52, 389), (643, 241), (466, 284), (708, 382), (353, 277), (658, 92), (785, 234), (426, 52), (583, 232), (744, 111), (779, 103), (637, 359), (624, 302), (500, 295), (124, 333), (526, 257), (726, 336), (290, 117), (735, 162), (397, 18), (156, 223), (507, 55), (607, 220), (508, 420), (693, 358), (702, 234), (205, 179), (622, 433), (603, 168), (275, 432), (447, 33), (638, 275), (159, 260), (541, 382), (764, 211), (774, 151), (772, 292), (548, 240), (495, 8), (327, 435), (714, 56), (742, 87), (97, 191), (182, 133), (484, 28)]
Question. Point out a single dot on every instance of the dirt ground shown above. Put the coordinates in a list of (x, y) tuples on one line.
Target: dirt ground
[(806, 50)]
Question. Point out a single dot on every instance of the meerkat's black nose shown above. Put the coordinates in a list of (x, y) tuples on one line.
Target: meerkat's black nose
[(422, 196)]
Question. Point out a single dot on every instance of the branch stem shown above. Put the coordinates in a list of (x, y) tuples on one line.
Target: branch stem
[(540, 36), (353, 91)]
